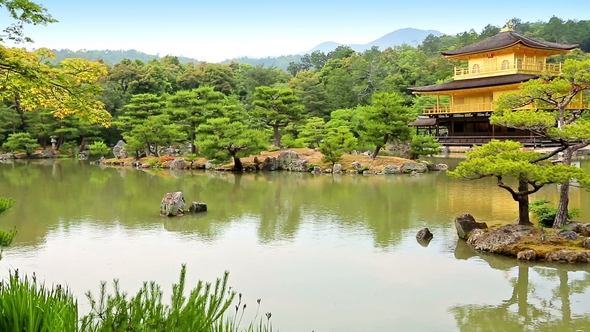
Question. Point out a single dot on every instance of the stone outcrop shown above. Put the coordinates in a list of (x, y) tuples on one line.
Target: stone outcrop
[(437, 167), (356, 165), (526, 255), (587, 243), (317, 170), (424, 235), (119, 150), (83, 155), (44, 154), (286, 158), (391, 169), (197, 207), (337, 169), (270, 164), (499, 239), (414, 166), (176, 164), (173, 204), (568, 235), (570, 256), (465, 223), (582, 228), (7, 156), (297, 165)]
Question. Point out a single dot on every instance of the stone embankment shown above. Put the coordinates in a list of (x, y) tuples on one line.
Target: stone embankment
[(528, 242)]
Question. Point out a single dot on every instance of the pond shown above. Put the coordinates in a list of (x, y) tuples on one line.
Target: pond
[(323, 252)]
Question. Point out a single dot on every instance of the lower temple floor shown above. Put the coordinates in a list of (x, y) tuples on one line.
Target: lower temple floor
[(473, 130)]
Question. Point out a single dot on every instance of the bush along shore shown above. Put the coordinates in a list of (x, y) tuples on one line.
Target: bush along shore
[(570, 243), (294, 160)]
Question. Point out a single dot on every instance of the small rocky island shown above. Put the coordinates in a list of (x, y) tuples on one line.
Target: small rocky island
[(528, 242)]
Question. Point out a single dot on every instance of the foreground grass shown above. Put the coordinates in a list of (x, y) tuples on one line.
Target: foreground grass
[(26, 305)]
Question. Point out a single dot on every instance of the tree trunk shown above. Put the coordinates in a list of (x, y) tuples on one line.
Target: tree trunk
[(564, 197), (277, 135), (523, 204), (237, 163), (376, 152), (82, 144), (193, 139)]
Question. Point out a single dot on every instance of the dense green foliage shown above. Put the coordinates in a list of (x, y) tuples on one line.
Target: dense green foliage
[(545, 213), (156, 102)]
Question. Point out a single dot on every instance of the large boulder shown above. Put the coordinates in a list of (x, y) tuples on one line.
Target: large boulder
[(83, 155), (298, 165), (176, 164), (337, 169), (570, 256), (270, 164), (526, 255), (173, 204), (391, 169), (465, 223), (414, 166), (582, 228), (437, 167), (119, 150), (587, 243), (356, 165), (568, 235), (197, 207), (6, 156), (286, 158)]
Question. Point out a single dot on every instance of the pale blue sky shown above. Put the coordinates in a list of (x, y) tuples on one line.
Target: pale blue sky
[(217, 30)]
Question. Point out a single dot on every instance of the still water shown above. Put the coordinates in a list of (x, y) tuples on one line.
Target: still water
[(324, 253)]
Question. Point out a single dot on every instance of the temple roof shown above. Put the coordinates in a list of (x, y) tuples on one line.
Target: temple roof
[(506, 39), (475, 83)]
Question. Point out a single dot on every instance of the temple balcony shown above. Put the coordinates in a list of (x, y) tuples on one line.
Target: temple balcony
[(486, 107), (506, 68)]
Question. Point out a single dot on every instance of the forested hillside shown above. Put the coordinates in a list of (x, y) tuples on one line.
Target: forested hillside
[(163, 101)]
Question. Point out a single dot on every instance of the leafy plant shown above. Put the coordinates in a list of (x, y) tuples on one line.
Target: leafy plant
[(545, 213), (99, 148), (28, 306), (191, 158)]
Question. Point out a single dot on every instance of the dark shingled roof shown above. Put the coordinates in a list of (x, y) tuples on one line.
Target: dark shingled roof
[(506, 39), (423, 122), (475, 83)]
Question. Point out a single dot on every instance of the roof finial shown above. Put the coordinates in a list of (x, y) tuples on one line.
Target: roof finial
[(508, 26)]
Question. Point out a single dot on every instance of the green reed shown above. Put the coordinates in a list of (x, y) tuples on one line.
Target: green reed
[(28, 306)]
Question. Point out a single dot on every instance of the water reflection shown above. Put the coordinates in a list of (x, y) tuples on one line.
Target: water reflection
[(330, 252), (531, 306)]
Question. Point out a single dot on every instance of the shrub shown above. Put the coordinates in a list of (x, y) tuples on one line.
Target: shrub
[(424, 145), (21, 142), (99, 148), (545, 213)]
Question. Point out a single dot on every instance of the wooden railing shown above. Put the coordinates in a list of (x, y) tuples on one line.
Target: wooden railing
[(488, 107), (464, 108), (553, 69)]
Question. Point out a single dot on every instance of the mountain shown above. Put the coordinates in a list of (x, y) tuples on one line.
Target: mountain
[(112, 57), (408, 36)]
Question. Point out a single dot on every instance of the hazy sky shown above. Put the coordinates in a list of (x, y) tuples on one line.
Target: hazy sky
[(217, 30)]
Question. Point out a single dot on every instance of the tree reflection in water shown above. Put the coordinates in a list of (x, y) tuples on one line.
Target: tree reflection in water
[(528, 308)]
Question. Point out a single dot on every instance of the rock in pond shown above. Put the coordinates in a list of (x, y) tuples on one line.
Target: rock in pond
[(337, 169), (173, 204), (465, 223), (270, 164), (391, 169), (197, 207), (176, 164), (286, 158), (570, 256), (424, 235), (413, 166), (119, 150)]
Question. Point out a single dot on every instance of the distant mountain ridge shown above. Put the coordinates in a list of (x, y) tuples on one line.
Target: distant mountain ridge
[(112, 57), (410, 36)]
